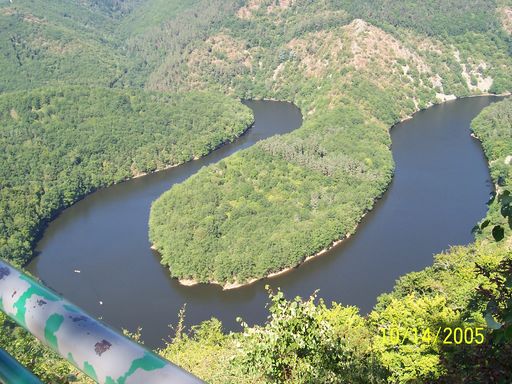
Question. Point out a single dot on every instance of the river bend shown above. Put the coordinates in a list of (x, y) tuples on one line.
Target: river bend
[(438, 193)]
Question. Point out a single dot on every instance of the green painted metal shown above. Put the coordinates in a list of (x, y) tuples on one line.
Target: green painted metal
[(12, 372), (91, 346)]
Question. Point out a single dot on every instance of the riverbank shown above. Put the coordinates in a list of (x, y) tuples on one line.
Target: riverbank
[(194, 158), (91, 189), (236, 285)]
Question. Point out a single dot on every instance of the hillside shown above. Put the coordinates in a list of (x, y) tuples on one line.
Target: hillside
[(109, 43), (161, 32), (58, 42), (353, 80)]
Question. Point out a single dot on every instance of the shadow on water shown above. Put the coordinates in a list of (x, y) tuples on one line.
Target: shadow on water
[(439, 192)]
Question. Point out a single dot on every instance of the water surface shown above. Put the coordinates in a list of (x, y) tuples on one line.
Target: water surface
[(439, 192)]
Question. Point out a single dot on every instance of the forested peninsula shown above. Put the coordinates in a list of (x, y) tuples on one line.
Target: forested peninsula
[(272, 206)]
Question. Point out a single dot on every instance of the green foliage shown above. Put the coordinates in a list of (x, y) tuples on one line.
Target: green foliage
[(150, 14), (271, 30), (272, 206), (319, 186), (247, 191), (492, 46), (499, 295), (298, 332), (304, 342), (415, 358), (209, 354), (60, 144), (298, 192), (494, 128), (57, 42), (491, 360), (97, 42), (466, 287), (157, 54)]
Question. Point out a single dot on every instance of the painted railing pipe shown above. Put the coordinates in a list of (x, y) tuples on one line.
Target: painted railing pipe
[(100, 352), (12, 372)]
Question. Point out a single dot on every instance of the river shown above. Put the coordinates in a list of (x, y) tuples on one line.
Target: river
[(438, 193)]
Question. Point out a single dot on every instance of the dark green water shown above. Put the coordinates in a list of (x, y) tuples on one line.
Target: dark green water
[(438, 193)]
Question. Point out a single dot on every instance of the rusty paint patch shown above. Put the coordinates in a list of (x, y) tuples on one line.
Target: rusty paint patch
[(76, 319), (102, 347)]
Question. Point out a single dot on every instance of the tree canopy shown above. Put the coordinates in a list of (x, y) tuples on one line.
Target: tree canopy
[(59, 144)]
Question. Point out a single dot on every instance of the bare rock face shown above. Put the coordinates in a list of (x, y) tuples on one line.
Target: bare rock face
[(508, 160), (506, 18)]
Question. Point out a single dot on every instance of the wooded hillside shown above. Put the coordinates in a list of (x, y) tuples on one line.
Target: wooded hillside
[(59, 144)]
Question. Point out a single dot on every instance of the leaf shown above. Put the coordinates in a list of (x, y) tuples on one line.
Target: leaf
[(491, 323), (506, 210), (505, 198), (498, 232), (485, 224)]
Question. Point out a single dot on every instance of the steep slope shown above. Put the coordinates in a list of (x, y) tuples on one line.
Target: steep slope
[(111, 43), (160, 32)]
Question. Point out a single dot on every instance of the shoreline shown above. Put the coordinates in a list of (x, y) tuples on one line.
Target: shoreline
[(194, 158), (188, 282), (235, 285)]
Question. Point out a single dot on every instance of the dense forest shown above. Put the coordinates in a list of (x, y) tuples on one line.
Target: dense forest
[(93, 92), (57, 42), (59, 144), (282, 201)]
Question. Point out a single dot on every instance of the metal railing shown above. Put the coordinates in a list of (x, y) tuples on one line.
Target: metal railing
[(100, 352), (13, 372)]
